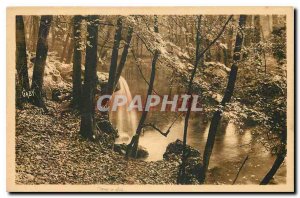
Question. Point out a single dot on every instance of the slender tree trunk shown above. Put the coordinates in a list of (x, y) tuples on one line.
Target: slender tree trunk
[(270, 25), (279, 160), (35, 32), (263, 51), (53, 39), (225, 56), (70, 51), (141, 49), (21, 59), (132, 147), (248, 31), (76, 62), (124, 55), (187, 41), (64, 51), (257, 29), (40, 61), (275, 21), (218, 53), (137, 45), (229, 43), (21, 56), (114, 58), (87, 124), (30, 24), (181, 174), (226, 98)]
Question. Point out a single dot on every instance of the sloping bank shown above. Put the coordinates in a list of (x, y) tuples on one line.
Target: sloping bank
[(49, 150)]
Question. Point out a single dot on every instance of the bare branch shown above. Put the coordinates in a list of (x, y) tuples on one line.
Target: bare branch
[(237, 175), (217, 37), (160, 131), (141, 72)]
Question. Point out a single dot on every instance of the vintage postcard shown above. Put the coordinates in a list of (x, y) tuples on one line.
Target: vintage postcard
[(150, 99)]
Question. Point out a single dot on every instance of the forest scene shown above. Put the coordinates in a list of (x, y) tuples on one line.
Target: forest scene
[(188, 99)]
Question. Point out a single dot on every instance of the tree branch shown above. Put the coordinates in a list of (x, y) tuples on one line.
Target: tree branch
[(215, 40), (237, 175), (141, 72), (160, 131)]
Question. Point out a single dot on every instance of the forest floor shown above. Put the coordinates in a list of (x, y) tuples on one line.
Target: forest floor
[(49, 150)]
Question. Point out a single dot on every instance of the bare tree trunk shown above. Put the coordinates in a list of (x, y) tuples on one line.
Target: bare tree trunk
[(279, 160), (76, 62), (181, 173), (238, 173), (87, 124), (114, 58), (21, 59), (132, 147), (40, 61), (226, 98), (124, 56)]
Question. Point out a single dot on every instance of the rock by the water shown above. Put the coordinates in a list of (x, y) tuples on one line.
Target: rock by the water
[(174, 151), (120, 148), (142, 153), (194, 161)]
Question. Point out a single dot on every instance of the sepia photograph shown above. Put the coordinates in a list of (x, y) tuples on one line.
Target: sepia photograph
[(173, 99)]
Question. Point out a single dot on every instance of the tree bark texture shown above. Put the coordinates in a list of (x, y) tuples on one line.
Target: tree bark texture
[(87, 124), (40, 60), (76, 62)]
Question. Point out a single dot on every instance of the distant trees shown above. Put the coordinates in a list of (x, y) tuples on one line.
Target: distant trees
[(278, 39), (87, 124), (40, 61), (65, 45), (21, 59)]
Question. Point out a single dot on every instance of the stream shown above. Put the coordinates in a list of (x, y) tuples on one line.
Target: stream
[(230, 148)]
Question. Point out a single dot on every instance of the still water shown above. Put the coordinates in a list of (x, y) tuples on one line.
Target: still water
[(230, 148)]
